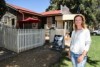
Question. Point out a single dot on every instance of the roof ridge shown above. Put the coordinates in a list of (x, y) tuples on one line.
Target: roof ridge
[(51, 12), (21, 8)]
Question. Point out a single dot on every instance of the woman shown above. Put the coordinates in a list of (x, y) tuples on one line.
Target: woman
[(80, 42)]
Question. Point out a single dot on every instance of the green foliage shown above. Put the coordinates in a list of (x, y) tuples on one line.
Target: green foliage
[(98, 15), (2, 8), (89, 8)]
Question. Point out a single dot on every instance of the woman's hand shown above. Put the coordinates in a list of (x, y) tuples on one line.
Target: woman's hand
[(80, 58)]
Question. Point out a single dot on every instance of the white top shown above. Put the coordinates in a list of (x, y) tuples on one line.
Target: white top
[(80, 41)]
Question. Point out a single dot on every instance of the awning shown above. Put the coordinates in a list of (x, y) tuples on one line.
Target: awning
[(30, 20)]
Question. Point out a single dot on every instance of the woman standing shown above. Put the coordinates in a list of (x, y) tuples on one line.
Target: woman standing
[(80, 42)]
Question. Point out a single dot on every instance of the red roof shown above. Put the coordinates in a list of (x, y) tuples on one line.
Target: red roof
[(53, 12), (24, 10)]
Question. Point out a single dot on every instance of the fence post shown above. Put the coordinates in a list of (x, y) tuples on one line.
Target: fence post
[(17, 40)]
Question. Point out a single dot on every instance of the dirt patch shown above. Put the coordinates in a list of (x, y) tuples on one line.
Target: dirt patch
[(39, 57)]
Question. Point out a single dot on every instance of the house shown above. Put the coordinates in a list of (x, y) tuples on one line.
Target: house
[(22, 18), (53, 18), (57, 20), (18, 17)]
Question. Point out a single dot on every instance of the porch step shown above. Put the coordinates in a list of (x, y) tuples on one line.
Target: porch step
[(4, 53)]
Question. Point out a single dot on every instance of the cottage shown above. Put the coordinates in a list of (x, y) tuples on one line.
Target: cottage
[(18, 17), (56, 19), (22, 18)]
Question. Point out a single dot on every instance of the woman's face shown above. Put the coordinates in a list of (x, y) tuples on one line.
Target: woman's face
[(78, 21)]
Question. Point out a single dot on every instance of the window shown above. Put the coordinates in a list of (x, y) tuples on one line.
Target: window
[(6, 19), (13, 21), (49, 22), (34, 25)]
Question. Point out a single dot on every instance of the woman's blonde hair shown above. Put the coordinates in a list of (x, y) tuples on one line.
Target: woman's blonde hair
[(83, 23)]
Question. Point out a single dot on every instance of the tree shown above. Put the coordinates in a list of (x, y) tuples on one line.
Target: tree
[(2, 8), (98, 15), (54, 5), (89, 8)]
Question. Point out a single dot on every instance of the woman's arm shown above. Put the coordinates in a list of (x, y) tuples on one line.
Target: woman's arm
[(87, 40), (81, 57), (70, 43), (87, 46)]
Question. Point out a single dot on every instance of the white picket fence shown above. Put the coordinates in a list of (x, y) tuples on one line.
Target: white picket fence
[(19, 40), (1, 38)]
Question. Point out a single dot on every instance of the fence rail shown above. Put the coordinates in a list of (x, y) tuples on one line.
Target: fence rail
[(19, 40)]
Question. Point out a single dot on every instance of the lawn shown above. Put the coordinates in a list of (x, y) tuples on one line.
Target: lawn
[(93, 55)]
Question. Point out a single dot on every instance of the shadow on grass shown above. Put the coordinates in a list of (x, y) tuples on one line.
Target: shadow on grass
[(92, 62), (64, 58), (62, 63)]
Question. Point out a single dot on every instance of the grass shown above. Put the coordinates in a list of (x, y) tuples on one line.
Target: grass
[(93, 55)]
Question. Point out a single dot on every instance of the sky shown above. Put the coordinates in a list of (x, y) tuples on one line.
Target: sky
[(34, 5)]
